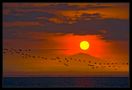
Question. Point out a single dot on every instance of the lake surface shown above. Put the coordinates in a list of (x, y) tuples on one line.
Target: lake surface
[(52, 82)]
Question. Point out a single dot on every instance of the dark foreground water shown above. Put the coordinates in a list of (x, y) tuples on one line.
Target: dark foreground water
[(46, 82)]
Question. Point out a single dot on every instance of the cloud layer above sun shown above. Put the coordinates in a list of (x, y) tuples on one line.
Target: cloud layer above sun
[(86, 18)]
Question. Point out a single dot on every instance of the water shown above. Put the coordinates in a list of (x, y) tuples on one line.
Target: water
[(49, 82)]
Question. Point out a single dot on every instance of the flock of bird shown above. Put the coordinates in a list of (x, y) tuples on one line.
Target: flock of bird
[(26, 53)]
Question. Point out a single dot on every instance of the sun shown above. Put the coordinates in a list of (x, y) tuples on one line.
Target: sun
[(84, 45)]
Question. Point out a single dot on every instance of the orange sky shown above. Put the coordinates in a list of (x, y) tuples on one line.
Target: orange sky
[(58, 29)]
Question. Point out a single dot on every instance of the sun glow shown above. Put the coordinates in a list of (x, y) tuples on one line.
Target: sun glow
[(84, 45)]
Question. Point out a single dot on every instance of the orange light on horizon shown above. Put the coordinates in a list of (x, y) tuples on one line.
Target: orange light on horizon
[(97, 46)]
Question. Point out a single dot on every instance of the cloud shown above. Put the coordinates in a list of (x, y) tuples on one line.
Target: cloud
[(65, 18), (56, 6), (64, 12), (21, 24), (116, 29), (25, 5), (74, 19), (28, 16)]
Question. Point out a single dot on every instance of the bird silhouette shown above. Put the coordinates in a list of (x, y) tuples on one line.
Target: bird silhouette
[(58, 57), (66, 64), (79, 60), (90, 65), (20, 49), (59, 60), (33, 56)]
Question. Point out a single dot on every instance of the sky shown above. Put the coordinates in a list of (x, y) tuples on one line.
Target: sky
[(58, 28)]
